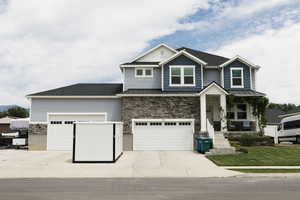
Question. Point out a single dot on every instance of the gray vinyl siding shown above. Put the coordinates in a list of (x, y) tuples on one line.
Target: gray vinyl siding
[(182, 60), (131, 82), (227, 75), (211, 75), (40, 107)]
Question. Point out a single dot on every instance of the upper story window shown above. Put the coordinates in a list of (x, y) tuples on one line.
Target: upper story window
[(143, 72), (237, 79), (182, 75)]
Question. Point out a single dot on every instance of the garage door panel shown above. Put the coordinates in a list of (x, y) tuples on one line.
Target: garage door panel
[(163, 136), (60, 137), (77, 117), (60, 129)]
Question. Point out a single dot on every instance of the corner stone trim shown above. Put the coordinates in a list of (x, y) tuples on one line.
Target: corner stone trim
[(37, 129), (160, 108)]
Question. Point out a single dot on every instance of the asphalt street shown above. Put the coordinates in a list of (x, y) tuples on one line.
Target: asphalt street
[(151, 188)]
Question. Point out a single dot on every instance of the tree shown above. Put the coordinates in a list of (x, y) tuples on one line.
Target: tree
[(17, 112), (283, 107)]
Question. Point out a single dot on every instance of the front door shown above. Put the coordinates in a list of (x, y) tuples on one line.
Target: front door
[(210, 113)]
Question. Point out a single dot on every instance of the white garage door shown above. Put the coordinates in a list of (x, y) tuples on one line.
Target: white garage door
[(163, 134), (60, 128)]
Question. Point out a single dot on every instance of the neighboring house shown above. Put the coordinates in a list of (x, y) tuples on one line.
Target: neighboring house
[(274, 117), (5, 124), (167, 97)]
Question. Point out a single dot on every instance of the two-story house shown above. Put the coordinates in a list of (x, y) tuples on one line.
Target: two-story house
[(168, 96)]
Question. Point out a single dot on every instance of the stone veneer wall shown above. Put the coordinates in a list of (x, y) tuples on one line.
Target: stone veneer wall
[(159, 107), (37, 137)]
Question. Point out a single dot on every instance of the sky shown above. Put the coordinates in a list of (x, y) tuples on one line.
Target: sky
[(53, 43)]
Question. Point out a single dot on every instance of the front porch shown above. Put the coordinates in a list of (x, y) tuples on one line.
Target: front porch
[(219, 116), (225, 117)]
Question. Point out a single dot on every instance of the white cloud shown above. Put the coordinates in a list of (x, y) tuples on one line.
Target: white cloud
[(50, 43), (228, 13), (246, 7), (277, 51)]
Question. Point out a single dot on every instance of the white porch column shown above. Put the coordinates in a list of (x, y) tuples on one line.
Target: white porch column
[(223, 106), (203, 112)]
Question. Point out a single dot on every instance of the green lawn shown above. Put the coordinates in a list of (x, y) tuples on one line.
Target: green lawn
[(267, 170), (261, 156)]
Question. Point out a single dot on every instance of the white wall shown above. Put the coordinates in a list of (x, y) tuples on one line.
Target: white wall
[(40, 107)]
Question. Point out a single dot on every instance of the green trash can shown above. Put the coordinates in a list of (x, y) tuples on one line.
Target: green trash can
[(204, 144)]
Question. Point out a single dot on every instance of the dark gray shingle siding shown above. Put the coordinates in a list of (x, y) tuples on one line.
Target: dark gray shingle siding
[(227, 75), (182, 60)]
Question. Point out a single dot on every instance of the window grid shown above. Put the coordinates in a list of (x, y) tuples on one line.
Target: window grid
[(238, 112), (144, 72), (237, 77), (182, 75)]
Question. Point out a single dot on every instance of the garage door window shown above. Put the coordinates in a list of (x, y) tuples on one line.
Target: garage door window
[(170, 123), (155, 123), (69, 122), (184, 123), (56, 122), (141, 123)]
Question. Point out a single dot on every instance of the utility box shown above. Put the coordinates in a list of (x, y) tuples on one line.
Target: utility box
[(97, 142)]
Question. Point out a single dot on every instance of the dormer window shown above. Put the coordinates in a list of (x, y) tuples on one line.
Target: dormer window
[(143, 72), (237, 79), (182, 75)]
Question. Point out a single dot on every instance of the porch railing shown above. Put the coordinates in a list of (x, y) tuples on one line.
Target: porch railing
[(210, 130)]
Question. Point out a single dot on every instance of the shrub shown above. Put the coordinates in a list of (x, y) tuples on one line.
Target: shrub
[(251, 140), (247, 140)]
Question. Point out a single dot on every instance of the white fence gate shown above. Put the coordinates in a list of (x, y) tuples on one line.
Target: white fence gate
[(97, 142), (271, 130)]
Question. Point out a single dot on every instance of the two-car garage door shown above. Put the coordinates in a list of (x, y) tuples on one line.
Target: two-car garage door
[(164, 134), (60, 128)]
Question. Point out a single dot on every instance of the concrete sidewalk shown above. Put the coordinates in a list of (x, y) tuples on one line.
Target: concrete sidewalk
[(32, 164)]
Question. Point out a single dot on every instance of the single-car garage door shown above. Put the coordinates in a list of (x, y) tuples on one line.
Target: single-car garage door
[(163, 134), (60, 128)]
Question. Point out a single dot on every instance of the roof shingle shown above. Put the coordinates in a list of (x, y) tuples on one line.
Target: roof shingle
[(84, 89), (210, 59)]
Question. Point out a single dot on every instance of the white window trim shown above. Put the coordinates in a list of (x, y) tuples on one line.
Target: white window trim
[(181, 67), (144, 73), (242, 77), (234, 109)]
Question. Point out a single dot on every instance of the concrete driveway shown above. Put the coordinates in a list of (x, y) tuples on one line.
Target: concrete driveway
[(30, 164)]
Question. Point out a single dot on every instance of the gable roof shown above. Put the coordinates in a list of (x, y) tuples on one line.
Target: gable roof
[(153, 49), (185, 53), (243, 60), (210, 59), (295, 111), (134, 63), (214, 84), (82, 89), (272, 116)]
